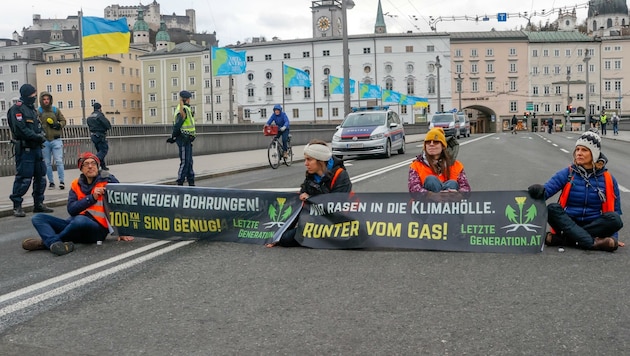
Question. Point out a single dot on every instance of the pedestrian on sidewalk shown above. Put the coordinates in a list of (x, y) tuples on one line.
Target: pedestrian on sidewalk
[(27, 138), (184, 133), (53, 122), (588, 214), (615, 124), (514, 122), (99, 126), (604, 122), (88, 221)]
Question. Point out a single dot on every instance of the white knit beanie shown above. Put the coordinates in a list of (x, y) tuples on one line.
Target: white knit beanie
[(318, 151), (592, 141)]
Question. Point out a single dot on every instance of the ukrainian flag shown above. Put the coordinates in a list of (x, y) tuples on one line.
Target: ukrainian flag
[(102, 36)]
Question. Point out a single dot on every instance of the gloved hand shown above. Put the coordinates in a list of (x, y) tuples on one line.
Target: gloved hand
[(283, 128), (41, 138), (536, 191), (56, 126), (170, 140)]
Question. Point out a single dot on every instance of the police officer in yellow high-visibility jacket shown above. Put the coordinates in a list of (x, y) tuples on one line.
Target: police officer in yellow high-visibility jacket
[(184, 134)]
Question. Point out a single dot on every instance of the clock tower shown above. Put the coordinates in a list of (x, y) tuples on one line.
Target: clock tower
[(326, 18)]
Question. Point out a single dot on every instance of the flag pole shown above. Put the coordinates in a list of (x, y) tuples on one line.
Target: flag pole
[(283, 108), (82, 85)]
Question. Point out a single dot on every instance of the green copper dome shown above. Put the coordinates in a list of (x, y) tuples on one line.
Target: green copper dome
[(162, 35), (140, 24)]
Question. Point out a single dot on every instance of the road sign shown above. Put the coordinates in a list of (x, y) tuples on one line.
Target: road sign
[(502, 17), (529, 106)]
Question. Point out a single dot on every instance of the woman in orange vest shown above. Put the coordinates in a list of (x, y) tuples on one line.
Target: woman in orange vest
[(434, 169), (588, 212), (88, 220)]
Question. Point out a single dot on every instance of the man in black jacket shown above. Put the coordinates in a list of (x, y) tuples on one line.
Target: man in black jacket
[(99, 125), (28, 138)]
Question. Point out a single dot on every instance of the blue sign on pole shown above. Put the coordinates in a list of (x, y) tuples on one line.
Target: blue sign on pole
[(502, 17)]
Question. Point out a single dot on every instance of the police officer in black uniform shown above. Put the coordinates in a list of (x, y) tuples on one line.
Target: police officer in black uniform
[(28, 138), (99, 125)]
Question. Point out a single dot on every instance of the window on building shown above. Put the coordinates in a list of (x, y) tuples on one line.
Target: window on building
[(153, 112), (335, 112), (513, 86), (430, 48), (92, 85), (60, 104), (458, 52), (250, 92), (535, 90), (59, 88), (267, 57), (69, 87), (124, 87), (1, 87), (558, 90), (431, 86), (534, 53), (174, 67), (247, 113), (490, 85), (151, 83), (287, 55), (306, 54), (307, 92), (367, 50), (326, 90), (152, 97), (191, 65), (151, 69), (473, 52), (410, 86), (473, 68), (111, 86), (389, 84), (296, 113), (217, 99), (489, 52), (513, 106), (268, 75), (58, 71), (124, 103), (319, 112), (512, 51), (325, 53), (250, 76), (287, 91), (512, 67), (250, 58), (191, 81), (269, 91), (175, 82), (490, 67), (474, 86)]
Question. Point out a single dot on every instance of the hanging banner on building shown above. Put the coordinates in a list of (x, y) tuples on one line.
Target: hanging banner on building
[(505, 222), (166, 212)]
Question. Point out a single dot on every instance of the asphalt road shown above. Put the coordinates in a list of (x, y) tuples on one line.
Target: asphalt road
[(201, 298)]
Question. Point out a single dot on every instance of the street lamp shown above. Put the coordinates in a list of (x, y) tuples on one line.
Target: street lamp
[(566, 122), (438, 66), (345, 5), (587, 58), (459, 89)]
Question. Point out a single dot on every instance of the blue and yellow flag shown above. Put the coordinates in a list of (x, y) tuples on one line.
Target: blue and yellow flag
[(101, 36), (336, 85), (390, 96), (369, 91), (226, 61), (294, 77)]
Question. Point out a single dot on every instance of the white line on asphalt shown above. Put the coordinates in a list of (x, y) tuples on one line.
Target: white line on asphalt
[(46, 283), (622, 188), (88, 279)]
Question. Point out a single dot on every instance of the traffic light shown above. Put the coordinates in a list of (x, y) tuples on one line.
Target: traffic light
[(525, 115), (569, 109)]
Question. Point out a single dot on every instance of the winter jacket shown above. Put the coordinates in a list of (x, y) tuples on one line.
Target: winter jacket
[(280, 120), (53, 129), (420, 169), (335, 180), (75, 205), (584, 203)]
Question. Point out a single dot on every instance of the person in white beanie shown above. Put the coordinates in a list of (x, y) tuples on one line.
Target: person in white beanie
[(588, 212), (324, 174)]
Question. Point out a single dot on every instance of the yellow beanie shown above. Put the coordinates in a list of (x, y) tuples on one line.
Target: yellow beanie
[(436, 134)]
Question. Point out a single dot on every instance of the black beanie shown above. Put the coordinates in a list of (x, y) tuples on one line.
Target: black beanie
[(27, 90)]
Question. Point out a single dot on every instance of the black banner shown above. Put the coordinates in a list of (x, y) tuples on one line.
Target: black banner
[(165, 212), (507, 221)]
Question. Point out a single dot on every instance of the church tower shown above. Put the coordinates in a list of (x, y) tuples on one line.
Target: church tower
[(140, 29), (327, 18), (379, 26), (607, 18)]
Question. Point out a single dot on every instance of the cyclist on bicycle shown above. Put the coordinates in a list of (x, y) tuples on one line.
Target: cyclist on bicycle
[(282, 121)]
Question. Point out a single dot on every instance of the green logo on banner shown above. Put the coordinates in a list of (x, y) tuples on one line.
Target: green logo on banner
[(520, 220), (278, 213)]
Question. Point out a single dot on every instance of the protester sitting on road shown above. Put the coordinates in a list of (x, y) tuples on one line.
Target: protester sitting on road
[(587, 214), (435, 169), (88, 220), (324, 174)]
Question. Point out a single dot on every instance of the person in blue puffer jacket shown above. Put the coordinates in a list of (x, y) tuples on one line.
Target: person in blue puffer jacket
[(588, 213), (281, 120)]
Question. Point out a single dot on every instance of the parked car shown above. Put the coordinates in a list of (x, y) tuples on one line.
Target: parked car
[(369, 131), (448, 121), (464, 124)]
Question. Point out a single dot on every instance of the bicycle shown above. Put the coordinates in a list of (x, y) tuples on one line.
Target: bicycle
[(275, 152)]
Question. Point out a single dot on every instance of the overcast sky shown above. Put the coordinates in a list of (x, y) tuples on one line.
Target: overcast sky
[(238, 20)]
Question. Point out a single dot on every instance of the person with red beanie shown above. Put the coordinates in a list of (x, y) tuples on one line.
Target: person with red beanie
[(88, 222)]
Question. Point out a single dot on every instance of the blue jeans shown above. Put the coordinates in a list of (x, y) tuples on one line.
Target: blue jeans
[(285, 137), (79, 229), (54, 149), (582, 234), (433, 184)]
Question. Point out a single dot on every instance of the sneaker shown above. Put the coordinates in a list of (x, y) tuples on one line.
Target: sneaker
[(285, 155), (19, 212), (41, 208), (61, 248), (51, 185), (62, 185), (33, 244)]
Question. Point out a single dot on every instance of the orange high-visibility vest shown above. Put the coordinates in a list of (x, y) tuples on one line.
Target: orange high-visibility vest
[(424, 171), (97, 210), (607, 206)]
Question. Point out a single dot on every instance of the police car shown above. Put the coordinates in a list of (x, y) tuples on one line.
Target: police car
[(369, 131)]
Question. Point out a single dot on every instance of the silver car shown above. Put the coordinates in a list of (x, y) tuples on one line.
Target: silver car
[(369, 131)]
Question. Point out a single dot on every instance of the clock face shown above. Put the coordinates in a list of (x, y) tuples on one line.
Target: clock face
[(323, 23)]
